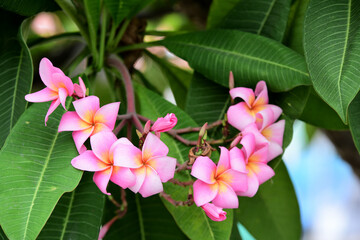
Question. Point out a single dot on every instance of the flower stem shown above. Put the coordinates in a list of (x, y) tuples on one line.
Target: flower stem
[(168, 198)]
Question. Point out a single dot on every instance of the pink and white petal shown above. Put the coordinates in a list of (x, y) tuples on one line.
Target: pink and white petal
[(259, 138), (71, 121), (226, 197), (62, 96), (275, 132), (123, 177), (140, 174), (54, 104), (261, 94), (247, 94), (224, 161), (82, 86), (153, 147), (204, 193), (43, 95), (152, 184), (102, 178), (87, 107), (46, 70), (204, 169), (164, 166), (248, 144), (123, 141), (60, 80), (274, 151), (260, 155), (101, 144), (87, 161), (127, 156), (264, 118), (81, 136), (107, 114), (253, 186), (237, 160), (240, 116), (100, 127), (236, 180), (262, 171), (276, 110)]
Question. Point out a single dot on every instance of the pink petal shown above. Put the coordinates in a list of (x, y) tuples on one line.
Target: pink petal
[(259, 138), (122, 140), (204, 169), (203, 192), (262, 171), (261, 94), (71, 121), (87, 161), (101, 144), (237, 160), (247, 94), (275, 132), (43, 95), (248, 144), (164, 124), (62, 81), (240, 116), (226, 197), (164, 167), (87, 107), (153, 147), (140, 174), (213, 212), (264, 118), (62, 96), (123, 177), (54, 104), (152, 183), (80, 137), (46, 70), (100, 127), (253, 186), (274, 151), (224, 161), (260, 155), (276, 110), (102, 178), (80, 90), (107, 114), (127, 156), (236, 180)]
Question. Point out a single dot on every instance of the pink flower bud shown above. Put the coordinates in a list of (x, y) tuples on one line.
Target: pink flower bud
[(213, 212), (80, 89), (164, 124)]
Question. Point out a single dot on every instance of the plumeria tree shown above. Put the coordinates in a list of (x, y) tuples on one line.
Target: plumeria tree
[(92, 150)]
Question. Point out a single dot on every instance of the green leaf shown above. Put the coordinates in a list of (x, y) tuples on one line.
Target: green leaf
[(29, 7), (354, 124), (192, 220), (273, 213), (214, 53), (121, 9), (78, 213), (92, 10), (218, 10), (146, 218), (318, 113), (207, 101), (36, 171), (2, 234), (332, 43), (16, 74), (266, 18), (179, 79)]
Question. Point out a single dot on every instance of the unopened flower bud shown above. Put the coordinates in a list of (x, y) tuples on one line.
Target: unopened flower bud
[(164, 124)]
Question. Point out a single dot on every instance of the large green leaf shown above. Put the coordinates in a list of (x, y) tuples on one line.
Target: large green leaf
[(354, 124), (332, 46), (218, 10), (192, 220), (214, 53), (92, 10), (266, 18), (273, 213), (28, 7), (16, 74), (146, 218), (78, 213), (35, 172)]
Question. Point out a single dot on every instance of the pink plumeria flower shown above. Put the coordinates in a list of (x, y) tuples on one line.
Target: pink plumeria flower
[(151, 166), (213, 212), (80, 89), (101, 161), (58, 87), (164, 124), (89, 119), (244, 113), (217, 183), (255, 164)]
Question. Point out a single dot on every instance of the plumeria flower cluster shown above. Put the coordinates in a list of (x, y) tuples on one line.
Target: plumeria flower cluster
[(239, 172)]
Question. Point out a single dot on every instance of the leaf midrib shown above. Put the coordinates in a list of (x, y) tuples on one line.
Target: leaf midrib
[(266, 17), (66, 220), (141, 223), (240, 55)]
